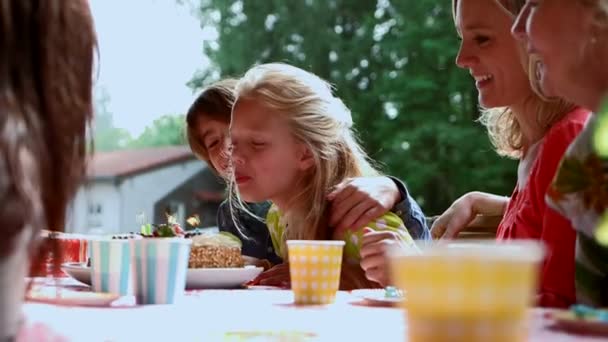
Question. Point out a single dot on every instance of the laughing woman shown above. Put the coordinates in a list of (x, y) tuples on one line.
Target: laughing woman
[(571, 39), (522, 124)]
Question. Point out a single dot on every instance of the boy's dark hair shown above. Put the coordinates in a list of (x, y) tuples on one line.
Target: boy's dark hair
[(214, 102)]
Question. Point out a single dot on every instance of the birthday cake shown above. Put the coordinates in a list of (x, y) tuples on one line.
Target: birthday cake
[(218, 250)]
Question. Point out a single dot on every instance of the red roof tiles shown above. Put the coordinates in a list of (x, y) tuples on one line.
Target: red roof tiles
[(129, 162)]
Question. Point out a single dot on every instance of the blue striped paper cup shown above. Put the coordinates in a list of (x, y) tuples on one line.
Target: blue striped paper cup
[(111, 267), (161, 265)]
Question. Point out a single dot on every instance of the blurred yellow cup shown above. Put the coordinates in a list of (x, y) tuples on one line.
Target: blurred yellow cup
[(469, 291), (314, 267)]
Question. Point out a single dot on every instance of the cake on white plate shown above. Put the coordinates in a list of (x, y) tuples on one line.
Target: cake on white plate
[(215, 250)]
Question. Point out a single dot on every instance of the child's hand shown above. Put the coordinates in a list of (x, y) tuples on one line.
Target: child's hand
[(373, 254), (276, 276)]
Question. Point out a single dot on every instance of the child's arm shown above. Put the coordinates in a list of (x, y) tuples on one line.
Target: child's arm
[(366, 246), (410, 213), (375, 246)]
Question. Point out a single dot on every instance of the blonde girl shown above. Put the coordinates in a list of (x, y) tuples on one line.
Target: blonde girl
[(292, 141)]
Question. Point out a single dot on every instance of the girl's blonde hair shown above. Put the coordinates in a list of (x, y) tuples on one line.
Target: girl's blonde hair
[(323, 123), (501, 123)]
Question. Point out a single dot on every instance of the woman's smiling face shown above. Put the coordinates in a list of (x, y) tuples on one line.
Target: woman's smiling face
[(560, 33), (490, 53)]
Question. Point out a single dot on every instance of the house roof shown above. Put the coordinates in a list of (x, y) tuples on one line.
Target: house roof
[(125, 163)]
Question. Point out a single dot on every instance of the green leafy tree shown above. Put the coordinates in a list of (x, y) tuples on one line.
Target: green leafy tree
[(167, 130), (106, 136), (392, 62)]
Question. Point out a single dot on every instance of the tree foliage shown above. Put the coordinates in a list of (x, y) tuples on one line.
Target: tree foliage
[(106, 136), (167, 130), (392, 62)]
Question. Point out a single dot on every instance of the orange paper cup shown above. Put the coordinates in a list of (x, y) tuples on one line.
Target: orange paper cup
[(315, 268)]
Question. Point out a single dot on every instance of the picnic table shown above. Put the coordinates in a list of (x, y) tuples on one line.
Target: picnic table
[(242, 315)]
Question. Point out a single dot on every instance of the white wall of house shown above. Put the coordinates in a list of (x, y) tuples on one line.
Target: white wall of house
[(110, 207), (94, 209), (77, 213), (140, 193), (102, 203)]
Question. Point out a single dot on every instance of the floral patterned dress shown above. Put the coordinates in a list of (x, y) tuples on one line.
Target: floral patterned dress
[(580, 192)]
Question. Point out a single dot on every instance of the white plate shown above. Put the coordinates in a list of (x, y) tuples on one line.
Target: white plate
[(218, 278), (377, 297), (78, 271), (59, 296), (197, 278)]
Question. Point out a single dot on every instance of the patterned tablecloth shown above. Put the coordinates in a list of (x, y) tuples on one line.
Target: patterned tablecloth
[(237, 315)]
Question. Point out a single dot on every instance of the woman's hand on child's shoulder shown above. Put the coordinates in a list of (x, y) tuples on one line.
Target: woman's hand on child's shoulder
[(357, 201)]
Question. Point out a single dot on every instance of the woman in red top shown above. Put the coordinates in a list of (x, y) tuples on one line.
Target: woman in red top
[(522, 124)]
